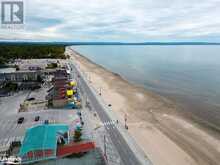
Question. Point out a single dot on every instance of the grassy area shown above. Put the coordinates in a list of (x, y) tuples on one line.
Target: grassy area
[(10, 52)]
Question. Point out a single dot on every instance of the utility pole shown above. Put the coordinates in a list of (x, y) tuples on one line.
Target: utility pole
[(100, 91), (105, 155), (87, 101), (125, 118)]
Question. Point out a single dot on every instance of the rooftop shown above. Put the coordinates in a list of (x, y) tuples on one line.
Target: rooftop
[(42, 137)]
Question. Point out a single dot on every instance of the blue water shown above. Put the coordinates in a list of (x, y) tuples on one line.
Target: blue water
[(187, 73)]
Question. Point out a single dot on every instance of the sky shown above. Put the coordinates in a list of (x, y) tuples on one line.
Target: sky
[(118, 20)]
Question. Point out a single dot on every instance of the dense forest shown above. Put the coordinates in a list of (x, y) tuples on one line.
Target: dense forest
[(8, 52)]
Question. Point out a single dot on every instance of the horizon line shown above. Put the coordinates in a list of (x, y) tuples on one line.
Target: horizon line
[(69, 43)]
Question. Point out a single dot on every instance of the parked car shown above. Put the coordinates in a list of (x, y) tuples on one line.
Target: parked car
[(30, 99), (20, 120), (37, 118)]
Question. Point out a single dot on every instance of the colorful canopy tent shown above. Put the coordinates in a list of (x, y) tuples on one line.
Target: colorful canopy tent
[(70, 105), (72, 83), (77, 96), (69, 92), (73, 105), (40, 142)]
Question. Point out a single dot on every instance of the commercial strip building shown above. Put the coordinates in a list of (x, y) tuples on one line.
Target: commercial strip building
[(64, 91)]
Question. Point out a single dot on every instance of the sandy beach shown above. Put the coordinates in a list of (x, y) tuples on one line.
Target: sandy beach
[(165, 135)]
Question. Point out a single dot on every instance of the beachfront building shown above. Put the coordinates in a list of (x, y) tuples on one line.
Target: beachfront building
[(50, 141), (21, 76), (59, 81), (40, 142)]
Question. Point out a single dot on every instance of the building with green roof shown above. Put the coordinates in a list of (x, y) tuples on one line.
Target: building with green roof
[(40, 142)]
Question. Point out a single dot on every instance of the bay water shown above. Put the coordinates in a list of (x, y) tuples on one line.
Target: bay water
[(188, 74)]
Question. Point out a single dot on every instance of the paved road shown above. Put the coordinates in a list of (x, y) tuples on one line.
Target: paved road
[(127, 156)]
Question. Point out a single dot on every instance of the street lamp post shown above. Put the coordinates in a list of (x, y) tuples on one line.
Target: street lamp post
[(100, 91), (125, 118), (105, 155)]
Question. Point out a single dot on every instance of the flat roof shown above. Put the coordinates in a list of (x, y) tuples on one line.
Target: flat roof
[(42, 137)]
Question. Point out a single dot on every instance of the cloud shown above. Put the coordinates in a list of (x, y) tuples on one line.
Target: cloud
[(119, 20)]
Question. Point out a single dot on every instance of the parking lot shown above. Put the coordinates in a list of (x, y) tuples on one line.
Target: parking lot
[(28, 105), (10, 130)]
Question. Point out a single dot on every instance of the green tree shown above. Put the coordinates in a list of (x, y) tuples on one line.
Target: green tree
[(77, 135), (30, 52)]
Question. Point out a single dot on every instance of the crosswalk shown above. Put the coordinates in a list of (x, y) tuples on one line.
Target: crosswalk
[(110, 124)]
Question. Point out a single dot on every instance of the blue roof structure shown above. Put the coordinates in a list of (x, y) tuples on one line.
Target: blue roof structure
[(42, 137)]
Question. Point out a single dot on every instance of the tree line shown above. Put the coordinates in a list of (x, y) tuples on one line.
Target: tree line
[(11, 52)]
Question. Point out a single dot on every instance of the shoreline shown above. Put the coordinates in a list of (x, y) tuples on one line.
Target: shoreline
[(181, 107), (154, 121)]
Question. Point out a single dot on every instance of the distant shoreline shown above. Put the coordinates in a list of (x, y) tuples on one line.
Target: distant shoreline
[(75, 43)]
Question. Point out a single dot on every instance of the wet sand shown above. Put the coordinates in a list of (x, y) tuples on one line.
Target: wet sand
[(156, 123)]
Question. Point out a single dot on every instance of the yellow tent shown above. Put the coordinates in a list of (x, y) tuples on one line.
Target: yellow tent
[(73, 83), (69, 92)]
